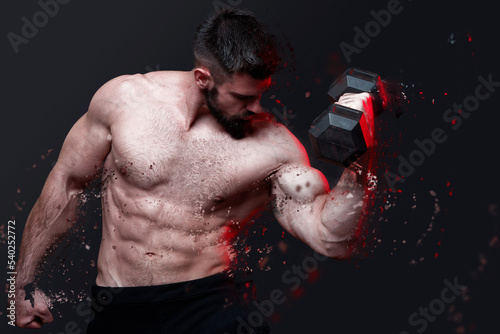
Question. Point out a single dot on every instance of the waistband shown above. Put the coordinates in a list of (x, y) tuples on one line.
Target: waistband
[(171, 292)]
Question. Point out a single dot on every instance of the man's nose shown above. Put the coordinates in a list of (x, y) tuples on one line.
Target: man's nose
[(255, 106)]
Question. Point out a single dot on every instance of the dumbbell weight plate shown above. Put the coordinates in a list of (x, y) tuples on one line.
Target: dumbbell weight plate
[(354, 80), (337, 135)]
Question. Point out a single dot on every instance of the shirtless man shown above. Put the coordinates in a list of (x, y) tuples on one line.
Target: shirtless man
[(187, 159)]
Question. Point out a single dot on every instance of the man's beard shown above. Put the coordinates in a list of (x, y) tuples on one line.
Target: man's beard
[(235, 125)]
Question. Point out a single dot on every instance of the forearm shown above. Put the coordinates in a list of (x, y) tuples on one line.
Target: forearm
[(342, 209), (51, 216), (324, 219)]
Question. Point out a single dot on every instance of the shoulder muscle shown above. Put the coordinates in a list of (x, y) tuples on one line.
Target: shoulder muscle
[(115, 95), (287, 148)]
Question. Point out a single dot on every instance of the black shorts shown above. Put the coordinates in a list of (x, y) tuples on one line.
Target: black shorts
[(216, 304)]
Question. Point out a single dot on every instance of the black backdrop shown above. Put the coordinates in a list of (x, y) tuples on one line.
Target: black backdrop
[(441, 223)]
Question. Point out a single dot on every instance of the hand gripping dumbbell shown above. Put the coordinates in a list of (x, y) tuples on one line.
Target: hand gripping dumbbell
[(339, 135)]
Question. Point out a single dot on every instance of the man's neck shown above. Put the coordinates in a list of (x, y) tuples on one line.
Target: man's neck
[(195, 100)]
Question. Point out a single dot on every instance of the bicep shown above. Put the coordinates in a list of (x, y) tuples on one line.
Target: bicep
[(300, 182), (299, 192)]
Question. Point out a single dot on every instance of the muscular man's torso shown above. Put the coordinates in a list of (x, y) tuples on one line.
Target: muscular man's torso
[(175, 195)]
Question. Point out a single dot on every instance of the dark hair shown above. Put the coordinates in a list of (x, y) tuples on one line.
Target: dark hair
[(231, 41)]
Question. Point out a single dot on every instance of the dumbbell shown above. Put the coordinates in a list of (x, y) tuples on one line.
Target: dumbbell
[(337, 133)]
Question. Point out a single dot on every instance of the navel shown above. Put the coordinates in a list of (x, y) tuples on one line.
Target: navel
[(219, 199)]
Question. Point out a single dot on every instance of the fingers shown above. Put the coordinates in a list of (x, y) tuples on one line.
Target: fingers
[(41, 317), (363, 103), (28, 321), (33, 316), (353, 100), (41, 309), (34, 324), (44, 315)]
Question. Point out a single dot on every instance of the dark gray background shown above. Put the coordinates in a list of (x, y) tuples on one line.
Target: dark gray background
[(47, 86)]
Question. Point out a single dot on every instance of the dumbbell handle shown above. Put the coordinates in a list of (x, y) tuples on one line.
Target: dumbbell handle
[(337, 133), (356, 80)]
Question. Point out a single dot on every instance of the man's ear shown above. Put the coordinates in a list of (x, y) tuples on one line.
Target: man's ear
[(203, 78)]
